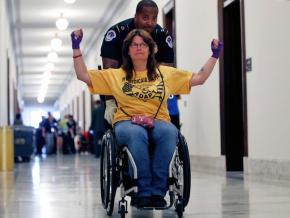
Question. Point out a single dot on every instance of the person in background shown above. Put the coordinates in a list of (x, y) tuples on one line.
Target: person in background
[(61, 146), (173, 110), (49, 132), (39, 138), (97, 126), (111, 51), (18, 120), (141, 87), (71, 133)]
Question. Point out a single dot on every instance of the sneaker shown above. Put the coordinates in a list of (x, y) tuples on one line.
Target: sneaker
[(158, 201), (143, 202)]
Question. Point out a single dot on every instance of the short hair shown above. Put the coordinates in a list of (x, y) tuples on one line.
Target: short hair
[(18, 116), (98, 102), (145, 3)]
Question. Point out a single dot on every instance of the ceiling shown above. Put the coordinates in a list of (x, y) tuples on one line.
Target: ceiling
[(33, 27)]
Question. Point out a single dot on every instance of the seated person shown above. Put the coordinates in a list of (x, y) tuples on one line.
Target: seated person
[(141, 87)]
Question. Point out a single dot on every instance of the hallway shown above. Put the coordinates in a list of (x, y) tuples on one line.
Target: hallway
[(68, 187)]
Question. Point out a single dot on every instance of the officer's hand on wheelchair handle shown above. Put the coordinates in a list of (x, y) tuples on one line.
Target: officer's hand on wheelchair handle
[(111, 108), (76, 38), (216, 48)]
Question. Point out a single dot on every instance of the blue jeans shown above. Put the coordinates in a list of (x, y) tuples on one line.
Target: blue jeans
[(152, 172)]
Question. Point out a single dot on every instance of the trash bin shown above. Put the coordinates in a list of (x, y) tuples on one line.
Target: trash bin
[(6, 149)]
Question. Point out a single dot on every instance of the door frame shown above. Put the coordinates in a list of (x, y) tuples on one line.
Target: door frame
[(244, 84)]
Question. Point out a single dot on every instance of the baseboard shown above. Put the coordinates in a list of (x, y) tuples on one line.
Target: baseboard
[(267, 170), (208, 164)]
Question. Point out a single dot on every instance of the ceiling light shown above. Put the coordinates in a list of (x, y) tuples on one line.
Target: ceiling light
[(61, 23), (40, 99), (52, 56), (56, 43), (69, 1), (46, 76), (49, 66)]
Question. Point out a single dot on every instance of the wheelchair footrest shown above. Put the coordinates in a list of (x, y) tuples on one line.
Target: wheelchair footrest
[(123, 205)]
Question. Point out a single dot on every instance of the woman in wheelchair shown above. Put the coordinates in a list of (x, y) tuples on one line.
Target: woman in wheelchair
[(141, 89)]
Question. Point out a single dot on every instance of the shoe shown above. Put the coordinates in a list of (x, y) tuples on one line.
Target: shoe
[(158, 201), (143, 202)]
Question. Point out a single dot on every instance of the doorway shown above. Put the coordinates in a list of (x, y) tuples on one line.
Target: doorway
[(233, 84), (169, 23)]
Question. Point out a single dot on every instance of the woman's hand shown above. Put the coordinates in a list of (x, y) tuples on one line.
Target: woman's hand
[(76, 38), (216, 47)]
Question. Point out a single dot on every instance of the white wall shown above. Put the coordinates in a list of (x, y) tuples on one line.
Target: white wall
[(13, 80), (6, 50), (3, 62), (196, 26), (267, 24)]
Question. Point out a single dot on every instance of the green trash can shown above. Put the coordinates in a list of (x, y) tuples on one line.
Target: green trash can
[(6, 149)]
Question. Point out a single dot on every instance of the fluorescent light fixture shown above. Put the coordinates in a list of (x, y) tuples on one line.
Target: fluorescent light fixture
[(40, 99), (49, 66), (69, 1), (61, 23), (56, 43), (46, 76), (52, 56), (44, 86)]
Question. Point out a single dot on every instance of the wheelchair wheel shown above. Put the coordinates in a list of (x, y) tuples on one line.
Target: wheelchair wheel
[(185, 174), (108, 172)]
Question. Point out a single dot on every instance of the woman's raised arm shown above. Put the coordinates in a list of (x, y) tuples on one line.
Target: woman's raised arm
[(79, 64), (205, 71)]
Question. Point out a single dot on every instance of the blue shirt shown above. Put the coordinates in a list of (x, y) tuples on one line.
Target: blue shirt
[(172, 105)]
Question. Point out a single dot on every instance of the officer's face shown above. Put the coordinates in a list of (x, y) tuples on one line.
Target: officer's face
[(147, 19)]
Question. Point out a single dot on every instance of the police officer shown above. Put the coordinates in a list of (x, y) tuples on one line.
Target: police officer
[(111, 50)]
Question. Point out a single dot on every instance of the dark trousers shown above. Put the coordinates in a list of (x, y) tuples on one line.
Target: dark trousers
[(175, 120)]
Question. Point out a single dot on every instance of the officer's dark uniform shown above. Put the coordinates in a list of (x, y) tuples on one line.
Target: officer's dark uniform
[(113, 42)]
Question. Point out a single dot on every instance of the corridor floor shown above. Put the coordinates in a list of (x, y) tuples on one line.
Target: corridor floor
[(68, 187)]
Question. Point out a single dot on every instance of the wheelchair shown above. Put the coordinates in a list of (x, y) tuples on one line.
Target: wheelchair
[(114, 173)]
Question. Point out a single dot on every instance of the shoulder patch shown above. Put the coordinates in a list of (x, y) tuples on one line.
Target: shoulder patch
[(111, 34), (168, 40)]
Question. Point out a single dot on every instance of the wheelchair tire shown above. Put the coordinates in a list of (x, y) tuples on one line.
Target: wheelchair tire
[(122, 211), (179, 210), (108, 172), (184, 155)]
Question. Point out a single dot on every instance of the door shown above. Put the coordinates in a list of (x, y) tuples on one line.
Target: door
[(233, 84)]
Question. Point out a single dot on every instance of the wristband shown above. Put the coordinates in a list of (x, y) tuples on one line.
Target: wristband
[(77, 56)]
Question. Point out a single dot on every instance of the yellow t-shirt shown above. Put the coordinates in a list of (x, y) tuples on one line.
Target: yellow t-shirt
[(140, 96)]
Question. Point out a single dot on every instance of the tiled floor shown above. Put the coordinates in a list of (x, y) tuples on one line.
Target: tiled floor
[(68, 187)]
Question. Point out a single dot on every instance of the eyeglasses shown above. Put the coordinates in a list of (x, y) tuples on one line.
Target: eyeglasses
[(136, 45)]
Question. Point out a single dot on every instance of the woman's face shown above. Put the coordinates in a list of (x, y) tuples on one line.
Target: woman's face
[(138, 49)]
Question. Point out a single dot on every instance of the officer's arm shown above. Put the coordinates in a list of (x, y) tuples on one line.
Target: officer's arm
[(110, 63), (165, 54)]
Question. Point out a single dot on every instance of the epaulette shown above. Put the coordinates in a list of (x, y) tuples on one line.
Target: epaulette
[(161, 31), (121, 28)]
